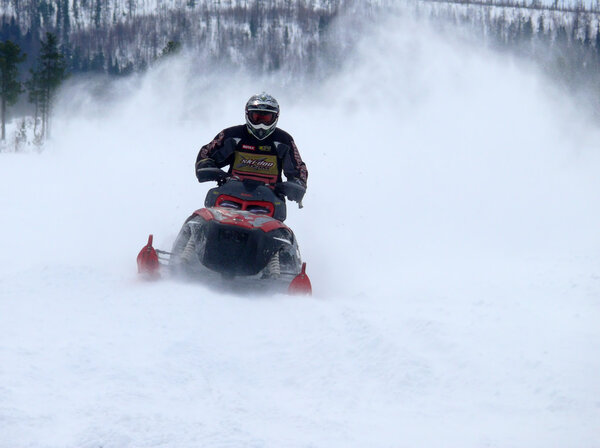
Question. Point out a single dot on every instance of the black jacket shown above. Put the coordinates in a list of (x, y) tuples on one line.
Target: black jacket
[(249, 157)]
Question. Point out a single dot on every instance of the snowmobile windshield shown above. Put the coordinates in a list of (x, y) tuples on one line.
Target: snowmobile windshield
[(258, 210), (262, 117), (231, 204)]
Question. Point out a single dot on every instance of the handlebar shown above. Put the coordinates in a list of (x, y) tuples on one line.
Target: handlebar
[(292, 190)]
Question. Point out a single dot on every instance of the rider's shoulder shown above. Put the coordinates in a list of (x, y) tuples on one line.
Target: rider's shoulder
[(235, 131), (282, 136)]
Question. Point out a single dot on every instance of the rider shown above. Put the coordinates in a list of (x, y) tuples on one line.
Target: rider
[(259, 150)]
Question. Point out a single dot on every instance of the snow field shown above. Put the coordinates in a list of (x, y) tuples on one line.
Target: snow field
[(450, 234)]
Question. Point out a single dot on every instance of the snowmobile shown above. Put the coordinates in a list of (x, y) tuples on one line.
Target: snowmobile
[(238, 238)]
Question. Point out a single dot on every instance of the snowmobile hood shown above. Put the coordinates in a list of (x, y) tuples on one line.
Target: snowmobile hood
[(241, 218)]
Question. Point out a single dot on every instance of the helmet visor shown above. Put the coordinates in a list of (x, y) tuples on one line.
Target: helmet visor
[(261, 117)]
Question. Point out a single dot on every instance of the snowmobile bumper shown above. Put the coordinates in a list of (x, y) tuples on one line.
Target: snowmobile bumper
[(150, 260)]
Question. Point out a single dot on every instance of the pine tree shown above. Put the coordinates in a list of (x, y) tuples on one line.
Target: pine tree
[(34, 96), (597, 41), (172, 48), (527, 30), (98, 13), (46, 79), (541, 28), (10, 86), (66, 20), (113, 66), (98, 62)]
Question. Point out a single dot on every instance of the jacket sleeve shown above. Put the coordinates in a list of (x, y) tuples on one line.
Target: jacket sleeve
[(218, 153), (293, 166)]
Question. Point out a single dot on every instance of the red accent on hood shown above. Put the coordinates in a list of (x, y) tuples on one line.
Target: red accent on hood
[(241, 218), (204, 213)]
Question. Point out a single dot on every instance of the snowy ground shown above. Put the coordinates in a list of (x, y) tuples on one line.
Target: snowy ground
[(450, 230)]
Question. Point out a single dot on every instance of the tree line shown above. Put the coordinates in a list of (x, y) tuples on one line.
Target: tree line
[(564, 41), (300, 37), (45, 78), (118, 37)]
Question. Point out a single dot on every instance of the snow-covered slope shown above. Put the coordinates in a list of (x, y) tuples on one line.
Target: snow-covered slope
[(450, 230)]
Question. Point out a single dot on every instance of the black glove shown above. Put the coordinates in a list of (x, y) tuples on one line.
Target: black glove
[(205, 163), (211, 174), (293, 189)]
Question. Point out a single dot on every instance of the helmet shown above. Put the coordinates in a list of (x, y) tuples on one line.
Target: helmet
[(262, 113)]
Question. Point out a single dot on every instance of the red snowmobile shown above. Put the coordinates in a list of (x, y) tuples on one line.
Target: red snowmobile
[(238, 238)]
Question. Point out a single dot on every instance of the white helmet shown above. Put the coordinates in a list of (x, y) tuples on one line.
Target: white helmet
[(262, 113)]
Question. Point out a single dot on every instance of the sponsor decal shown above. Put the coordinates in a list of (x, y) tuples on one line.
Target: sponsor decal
[(249, 147), (259, 164), (265, 165), (264, 148)]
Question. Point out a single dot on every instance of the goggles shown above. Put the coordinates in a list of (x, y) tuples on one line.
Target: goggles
[(262, 117)]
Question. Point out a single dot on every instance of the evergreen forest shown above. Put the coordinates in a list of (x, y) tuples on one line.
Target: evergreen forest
[(44, 42)]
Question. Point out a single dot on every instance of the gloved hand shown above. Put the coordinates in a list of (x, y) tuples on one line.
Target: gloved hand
[(205, 163), (294, 189), (226, 178), (211, 174)]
